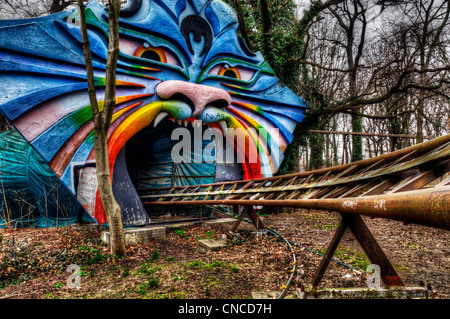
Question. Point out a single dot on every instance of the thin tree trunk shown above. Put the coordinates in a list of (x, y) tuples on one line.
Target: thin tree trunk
[(102, 119), (241, 19)]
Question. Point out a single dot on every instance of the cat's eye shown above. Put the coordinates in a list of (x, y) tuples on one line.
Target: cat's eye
[(230, 72), (157, 54), (235, 72)]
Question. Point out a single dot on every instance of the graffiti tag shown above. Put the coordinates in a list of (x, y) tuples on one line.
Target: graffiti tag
[(380, 204), (350, 204)]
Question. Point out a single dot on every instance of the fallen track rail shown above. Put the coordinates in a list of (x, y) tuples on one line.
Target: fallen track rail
[(410, 185), (396, 185)]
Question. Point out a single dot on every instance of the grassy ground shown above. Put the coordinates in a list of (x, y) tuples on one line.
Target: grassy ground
[(36, 263)]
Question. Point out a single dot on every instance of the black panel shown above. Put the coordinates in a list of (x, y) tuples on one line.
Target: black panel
[(133, 212)]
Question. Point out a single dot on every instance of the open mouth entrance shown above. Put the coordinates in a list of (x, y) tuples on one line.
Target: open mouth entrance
[(147, 162)]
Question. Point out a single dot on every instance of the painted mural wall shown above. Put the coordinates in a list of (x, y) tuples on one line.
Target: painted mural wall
[(185, 80)]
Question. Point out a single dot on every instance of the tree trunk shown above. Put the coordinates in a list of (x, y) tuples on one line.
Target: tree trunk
[(316, 142), (102, 119), (110, 205), (419, 119), (357, 144)]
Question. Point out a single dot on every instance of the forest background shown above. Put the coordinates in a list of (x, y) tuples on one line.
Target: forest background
[(374, 72)]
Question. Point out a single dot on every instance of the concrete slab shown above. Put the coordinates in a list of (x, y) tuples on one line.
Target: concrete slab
[(207, 245), (265, 294), (348, 293), (219, 221), (89, 227), (138, 235), (271, 295), (364, 293), (144, 234), (206, 222)]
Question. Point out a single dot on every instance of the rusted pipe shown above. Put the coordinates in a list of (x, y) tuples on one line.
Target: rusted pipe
[(428, 207)]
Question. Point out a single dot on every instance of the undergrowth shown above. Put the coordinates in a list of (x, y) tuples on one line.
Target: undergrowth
[(21, 260)]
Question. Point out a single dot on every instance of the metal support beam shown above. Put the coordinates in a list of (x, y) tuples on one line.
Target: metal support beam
[(368, 243), (332, 246), (373, 250), (240, 218), (248, 210)]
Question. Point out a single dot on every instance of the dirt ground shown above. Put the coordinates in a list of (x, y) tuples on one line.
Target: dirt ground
[(36, 263)]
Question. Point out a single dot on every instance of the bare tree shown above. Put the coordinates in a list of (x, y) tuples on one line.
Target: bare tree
[(31, 8), (384, 74), (102, 119), (13, 9), (426, 22)]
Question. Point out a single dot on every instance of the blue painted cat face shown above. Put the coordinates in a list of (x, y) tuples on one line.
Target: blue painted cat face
[(181, 64)]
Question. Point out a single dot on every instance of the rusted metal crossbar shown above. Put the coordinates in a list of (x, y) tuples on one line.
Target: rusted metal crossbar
[(406, 185), (410, 185)]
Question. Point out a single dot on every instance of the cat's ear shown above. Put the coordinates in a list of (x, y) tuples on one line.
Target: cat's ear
[(199, 27), (131, 8), (245, 47)]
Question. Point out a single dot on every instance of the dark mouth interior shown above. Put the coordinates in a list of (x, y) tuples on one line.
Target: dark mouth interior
[(146, 163)]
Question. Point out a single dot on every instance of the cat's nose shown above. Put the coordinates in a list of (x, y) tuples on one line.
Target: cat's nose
[(198, 95)]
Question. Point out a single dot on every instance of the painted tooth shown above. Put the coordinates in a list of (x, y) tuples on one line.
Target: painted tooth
[(185, 123), (192, 123), (159, 118), (179, 122), (173, 120), (223, 126)]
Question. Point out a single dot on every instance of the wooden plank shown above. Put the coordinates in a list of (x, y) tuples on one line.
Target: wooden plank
[(379, 188), (423, 178), (337, 191), (373, 166), (358, 189), (402, 159), (348, 171)]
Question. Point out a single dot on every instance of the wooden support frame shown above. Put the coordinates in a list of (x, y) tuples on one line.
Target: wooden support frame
[(250, 211), (394, 186), (368, 243)]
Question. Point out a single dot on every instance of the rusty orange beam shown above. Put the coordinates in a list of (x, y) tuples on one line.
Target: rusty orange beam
[(428, 207)]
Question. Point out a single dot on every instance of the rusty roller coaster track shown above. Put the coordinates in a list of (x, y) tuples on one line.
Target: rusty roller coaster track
[(404, 185), (409, 185)]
